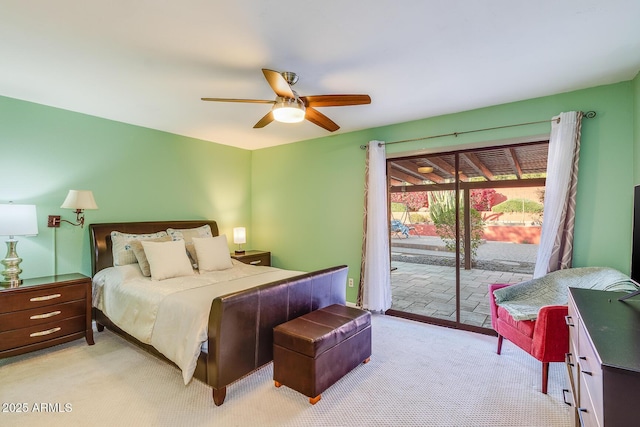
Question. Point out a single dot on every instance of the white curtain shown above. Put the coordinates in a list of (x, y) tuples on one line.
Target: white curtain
[(375, 272), (556, 241)]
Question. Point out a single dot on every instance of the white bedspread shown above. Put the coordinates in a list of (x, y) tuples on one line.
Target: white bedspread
[(172, 315)]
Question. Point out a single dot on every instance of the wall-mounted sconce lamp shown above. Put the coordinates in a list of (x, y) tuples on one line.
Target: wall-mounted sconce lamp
[(79, 200), (239, 237), (15, 220)]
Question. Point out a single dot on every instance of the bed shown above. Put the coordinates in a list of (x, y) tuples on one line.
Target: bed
[(239, 325)]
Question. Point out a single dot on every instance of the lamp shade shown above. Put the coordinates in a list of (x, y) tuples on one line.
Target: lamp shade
[(239, 235), (79, 199), (18, 220)]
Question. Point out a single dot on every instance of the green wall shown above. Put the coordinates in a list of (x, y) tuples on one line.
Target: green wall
[(308, 196), (135, 174), (302, 201)]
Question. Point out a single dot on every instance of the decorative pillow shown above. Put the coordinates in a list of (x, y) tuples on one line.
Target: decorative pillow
[(187, 234), (213, 253), (138, 251), (121, 248), (167, 259)]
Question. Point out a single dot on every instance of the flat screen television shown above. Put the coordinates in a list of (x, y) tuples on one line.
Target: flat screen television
[(635, 243)]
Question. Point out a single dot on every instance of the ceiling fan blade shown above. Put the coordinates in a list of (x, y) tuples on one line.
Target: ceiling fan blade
[(335, 100), (317, 118), (254, 101), (268, 118), (278, 83)]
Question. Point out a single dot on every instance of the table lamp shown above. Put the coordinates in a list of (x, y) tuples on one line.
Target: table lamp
[(15, 220), (239, 237)]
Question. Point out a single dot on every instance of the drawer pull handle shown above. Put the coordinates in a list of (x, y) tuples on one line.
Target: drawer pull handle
[(580, 411), (45, 298), (564, 396), (45, 315), (256, 262), (587, 373), (47, 332), (567, 359), (568, 321)]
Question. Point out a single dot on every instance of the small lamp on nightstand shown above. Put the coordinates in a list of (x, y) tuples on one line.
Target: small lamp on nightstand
[(15, 220), (239, 237)]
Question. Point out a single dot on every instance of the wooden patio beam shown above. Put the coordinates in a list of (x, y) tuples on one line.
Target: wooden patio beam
[(477, 164), (510, 154)]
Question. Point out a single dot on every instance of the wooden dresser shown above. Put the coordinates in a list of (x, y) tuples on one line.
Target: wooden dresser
[(44, 312), (604, 357)]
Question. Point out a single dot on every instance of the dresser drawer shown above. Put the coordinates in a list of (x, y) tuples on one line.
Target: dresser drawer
[(573, 322), (41, 297), (39, 333), (572, 372), (38, 316), (590, 378), (587, 417)]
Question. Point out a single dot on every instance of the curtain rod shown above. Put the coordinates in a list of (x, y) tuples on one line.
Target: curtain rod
[(588, 115)]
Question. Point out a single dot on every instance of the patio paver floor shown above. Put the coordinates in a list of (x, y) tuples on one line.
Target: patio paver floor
[(429, 290)]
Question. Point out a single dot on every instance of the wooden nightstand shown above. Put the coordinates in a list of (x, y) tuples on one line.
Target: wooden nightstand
[(253, 257), (43, 312)]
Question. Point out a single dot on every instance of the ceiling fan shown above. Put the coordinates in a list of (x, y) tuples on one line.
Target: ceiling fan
[(289, 107)]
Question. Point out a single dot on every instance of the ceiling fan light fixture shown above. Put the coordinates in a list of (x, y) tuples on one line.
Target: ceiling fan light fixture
[(288, 111), (425, 169)]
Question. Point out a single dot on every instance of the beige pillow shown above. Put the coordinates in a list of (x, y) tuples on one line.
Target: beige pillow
[(187, 234), (213, 253), (167, 259), (138, 251), (121, 248)]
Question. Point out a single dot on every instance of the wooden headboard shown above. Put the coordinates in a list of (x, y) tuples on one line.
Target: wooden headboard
[(101, 254)]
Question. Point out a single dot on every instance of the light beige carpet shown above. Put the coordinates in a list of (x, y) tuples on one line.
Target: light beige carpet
[(419, 375)]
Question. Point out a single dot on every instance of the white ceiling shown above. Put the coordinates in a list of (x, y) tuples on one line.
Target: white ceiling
[(148, 62)]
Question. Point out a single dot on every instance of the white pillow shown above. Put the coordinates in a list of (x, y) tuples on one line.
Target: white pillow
[(167, 259), (213, 253), (138, 251), (121, 249), (187, 234)]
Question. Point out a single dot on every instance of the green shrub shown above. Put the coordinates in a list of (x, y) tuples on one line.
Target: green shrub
[(443, 214), (518, 205)]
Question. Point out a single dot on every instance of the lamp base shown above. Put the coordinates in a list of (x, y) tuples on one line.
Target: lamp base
[(239, 252), (11, 263), (11, 284)]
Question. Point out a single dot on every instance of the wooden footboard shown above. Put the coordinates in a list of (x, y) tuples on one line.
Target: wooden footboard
[(241, 324)]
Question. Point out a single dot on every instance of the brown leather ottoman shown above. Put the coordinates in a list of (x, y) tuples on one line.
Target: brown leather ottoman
[(313, 351)]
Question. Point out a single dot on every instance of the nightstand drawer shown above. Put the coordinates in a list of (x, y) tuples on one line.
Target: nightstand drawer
[(41, 297), (261, 258), (39, 333), (38, 316)]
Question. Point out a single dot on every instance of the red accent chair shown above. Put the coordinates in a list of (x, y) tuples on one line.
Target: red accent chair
[(546, 338)]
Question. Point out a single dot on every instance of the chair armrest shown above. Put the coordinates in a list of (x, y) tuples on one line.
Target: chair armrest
[(492, 301), (496, 286), (551, 334)]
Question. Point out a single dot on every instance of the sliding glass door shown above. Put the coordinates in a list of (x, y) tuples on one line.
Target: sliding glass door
[(460, 221)]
